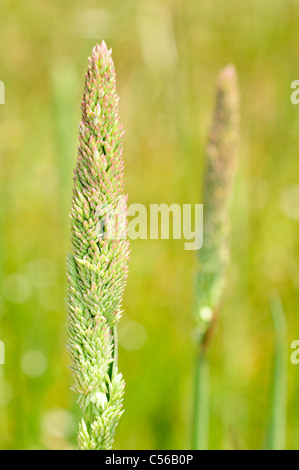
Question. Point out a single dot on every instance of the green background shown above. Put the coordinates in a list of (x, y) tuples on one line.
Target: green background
[(167, 56)]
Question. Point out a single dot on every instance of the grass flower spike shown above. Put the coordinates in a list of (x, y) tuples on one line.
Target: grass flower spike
[(221, 155), (214, 254), (98, 264)]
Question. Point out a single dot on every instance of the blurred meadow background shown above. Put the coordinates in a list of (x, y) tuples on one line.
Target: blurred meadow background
[(167, 56)]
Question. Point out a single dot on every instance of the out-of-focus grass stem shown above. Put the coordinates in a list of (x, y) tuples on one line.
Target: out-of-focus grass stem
[(200, 423), (276, 439)]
